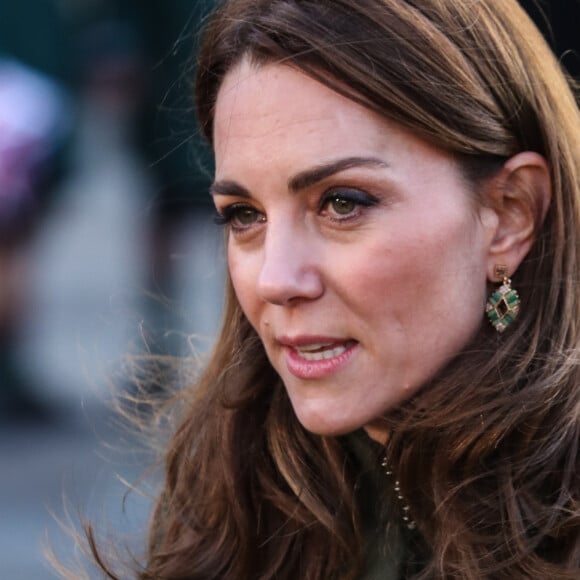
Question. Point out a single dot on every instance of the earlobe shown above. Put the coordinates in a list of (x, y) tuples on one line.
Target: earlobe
[(520, 196)]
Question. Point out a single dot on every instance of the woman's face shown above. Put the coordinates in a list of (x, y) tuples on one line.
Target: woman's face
[(355, 248)]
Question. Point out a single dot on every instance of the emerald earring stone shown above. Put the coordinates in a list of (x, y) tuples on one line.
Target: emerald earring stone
[(503, 306)]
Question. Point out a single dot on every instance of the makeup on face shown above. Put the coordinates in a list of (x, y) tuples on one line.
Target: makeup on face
[(353, 248)]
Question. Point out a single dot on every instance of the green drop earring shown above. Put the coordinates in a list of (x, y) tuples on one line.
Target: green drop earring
[(503, 305)]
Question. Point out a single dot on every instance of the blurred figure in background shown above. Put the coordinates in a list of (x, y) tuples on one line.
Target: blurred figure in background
[(163, 135), (134, 177), (182, 246), (34, 121), (90, 256), (36, 114)]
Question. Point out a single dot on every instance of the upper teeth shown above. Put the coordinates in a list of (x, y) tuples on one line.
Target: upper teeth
[(314, 346), (314, 352)]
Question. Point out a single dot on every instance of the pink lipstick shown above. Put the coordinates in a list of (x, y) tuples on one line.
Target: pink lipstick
[(317, 357)]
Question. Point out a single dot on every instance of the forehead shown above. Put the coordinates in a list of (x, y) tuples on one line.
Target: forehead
[(273, 121), (271, 104)]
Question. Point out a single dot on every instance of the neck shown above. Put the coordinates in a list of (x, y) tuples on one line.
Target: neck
[(377, 433)]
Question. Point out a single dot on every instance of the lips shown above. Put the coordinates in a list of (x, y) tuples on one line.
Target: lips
[(317, 357)]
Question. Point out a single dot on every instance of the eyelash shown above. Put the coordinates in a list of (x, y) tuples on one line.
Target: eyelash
[(227, 215)]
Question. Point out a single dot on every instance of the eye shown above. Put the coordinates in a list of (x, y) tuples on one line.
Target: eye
[(342, 204), (239, 216)]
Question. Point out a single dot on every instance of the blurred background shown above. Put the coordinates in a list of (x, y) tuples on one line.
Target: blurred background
[(107, 249)]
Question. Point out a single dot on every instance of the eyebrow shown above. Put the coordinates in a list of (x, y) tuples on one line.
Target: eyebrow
[(303, 179), (310, 177)]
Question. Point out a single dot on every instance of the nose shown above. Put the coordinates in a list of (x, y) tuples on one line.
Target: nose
[(290, 271)]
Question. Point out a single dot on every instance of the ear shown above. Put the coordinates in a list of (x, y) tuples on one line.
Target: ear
[(520, 196)]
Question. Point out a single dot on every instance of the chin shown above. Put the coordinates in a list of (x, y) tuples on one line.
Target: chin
[(326, 426)]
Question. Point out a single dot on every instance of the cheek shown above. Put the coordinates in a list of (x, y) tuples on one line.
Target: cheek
[(424, 278), (244, 270), (447, 295)]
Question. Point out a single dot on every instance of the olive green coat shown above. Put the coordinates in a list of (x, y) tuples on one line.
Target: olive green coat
[(388, 541)]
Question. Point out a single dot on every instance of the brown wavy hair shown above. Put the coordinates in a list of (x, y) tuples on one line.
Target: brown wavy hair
[(488, 452)]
